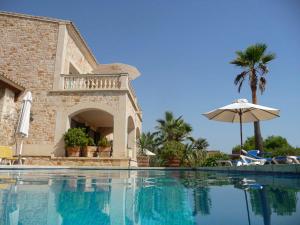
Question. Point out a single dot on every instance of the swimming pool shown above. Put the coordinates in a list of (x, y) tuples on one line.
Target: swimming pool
[(159, 197)]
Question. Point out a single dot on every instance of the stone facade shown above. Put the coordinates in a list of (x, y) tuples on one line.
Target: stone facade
[(28, 49), (36, 52), (8, 116)]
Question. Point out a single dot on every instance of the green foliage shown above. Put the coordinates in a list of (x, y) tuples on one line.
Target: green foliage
[(173, 129), (75, 137), (195, 152), (276, 142), (103, 142), (173, 140), (212, 160), (91, 141), (285, 152), (274, 145), (171, 150), (147, 141), (249, 144), (254, 62)]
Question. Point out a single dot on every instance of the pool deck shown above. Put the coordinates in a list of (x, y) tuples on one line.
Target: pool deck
[(293, 169)]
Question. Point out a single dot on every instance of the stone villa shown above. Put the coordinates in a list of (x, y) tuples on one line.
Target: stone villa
[(69, 87)]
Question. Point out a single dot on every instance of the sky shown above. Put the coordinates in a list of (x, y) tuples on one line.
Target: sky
[(183, 49)]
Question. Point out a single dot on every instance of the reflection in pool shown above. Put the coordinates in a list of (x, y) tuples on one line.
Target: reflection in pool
[(157, 197)]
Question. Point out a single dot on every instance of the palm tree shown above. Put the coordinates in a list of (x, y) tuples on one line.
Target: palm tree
[(147, 141), (254, 62), (173, 129)]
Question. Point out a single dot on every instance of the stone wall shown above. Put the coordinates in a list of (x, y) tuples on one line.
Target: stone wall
[(76, 58), (8, 116), (28, 51)]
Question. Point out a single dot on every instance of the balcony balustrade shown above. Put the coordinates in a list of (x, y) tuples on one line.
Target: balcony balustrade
[(105, 82)]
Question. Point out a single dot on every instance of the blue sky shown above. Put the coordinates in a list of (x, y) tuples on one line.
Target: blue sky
[(183, 50)]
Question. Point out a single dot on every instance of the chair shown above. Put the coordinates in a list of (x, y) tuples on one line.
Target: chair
[(6, 155), (274, 160), (255, 154), (247, 161)]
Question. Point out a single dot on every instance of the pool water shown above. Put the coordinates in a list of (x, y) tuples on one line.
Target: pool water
[(158, 197)]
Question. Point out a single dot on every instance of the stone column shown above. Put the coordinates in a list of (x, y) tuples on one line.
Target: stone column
[(132, 142), (120, 130)]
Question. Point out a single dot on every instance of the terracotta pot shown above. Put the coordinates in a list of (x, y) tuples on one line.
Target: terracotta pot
[(89, 151), (73, 151), (173, 162), (104, 151), (143, 161)]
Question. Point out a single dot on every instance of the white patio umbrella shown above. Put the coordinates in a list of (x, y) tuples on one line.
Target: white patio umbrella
[(24, 119), (149, 153), (241, 111)]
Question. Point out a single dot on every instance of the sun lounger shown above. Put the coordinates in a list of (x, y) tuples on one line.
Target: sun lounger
[(224, 163), (247, 161), (274, 160), (7, 157)]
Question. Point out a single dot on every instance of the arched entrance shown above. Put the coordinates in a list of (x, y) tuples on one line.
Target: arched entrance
[(97, 123)]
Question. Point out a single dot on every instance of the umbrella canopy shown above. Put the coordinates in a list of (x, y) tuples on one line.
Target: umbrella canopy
[(241, 111), (147, 152), (23, 123), (250, 112), (24, 119)]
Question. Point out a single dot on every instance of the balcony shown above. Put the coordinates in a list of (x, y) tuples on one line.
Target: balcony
[(100, 82)]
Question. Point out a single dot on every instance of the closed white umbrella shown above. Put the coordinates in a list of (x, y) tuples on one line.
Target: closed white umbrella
[(24, 119), (241, 111)]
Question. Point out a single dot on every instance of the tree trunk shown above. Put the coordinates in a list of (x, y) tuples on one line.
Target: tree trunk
[(257, 133), (258, 138)]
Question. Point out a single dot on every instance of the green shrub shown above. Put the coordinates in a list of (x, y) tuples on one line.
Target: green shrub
[(91, 141), (75, 137), (249, 144), (103, 142), (212, 160), (276, 142), (171, 150), (284, 152)]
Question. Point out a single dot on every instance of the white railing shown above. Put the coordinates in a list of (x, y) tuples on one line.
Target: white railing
[(91, 82)]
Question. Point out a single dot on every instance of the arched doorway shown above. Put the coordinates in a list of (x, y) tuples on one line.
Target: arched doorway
[(97, 123)]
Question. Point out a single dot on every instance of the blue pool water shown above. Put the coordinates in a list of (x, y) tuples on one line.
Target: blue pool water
[(73, 197)]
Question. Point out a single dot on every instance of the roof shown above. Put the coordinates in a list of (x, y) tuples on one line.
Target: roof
[(69, 23), (12, 84), (114, 68)]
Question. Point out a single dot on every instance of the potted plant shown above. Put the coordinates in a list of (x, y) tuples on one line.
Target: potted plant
[(75, 138), (147, 141), (104, 148), (172, 153), (89, 150), (143, 160)]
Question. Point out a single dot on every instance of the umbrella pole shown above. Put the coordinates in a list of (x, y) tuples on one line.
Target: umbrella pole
[(20, 152), (241, 130)]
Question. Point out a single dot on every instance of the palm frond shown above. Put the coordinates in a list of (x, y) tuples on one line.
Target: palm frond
[(239, 79), (267, 58), (254, 53), (262, 84), (263, 69), (239, 62)]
